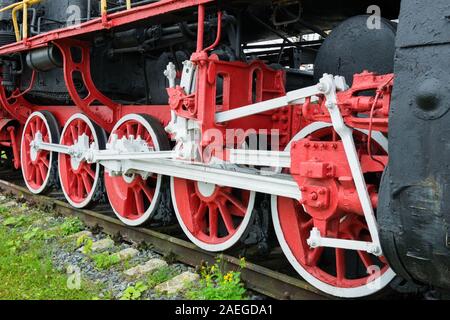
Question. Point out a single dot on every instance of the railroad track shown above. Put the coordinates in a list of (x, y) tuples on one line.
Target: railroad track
[(264, 277)]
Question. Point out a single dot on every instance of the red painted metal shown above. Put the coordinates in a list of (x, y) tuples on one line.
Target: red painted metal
[(131, 199), (219, 33), (77, 182), (242, 84), (18, 108), (36, 171), (203, 215), (114, 20), (319, 165), (95, 105), (334, 267), (330, 203), (14, 133), (370, 94)]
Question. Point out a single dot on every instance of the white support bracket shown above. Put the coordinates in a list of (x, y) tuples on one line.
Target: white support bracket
[(329, 86), (38, 144), (316, 240), (276, 159), (292, 97)]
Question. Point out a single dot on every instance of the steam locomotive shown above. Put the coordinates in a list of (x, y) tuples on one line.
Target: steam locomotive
[(318, 127)]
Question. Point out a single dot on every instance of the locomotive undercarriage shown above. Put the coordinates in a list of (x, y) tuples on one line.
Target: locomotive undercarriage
[(206, 135)]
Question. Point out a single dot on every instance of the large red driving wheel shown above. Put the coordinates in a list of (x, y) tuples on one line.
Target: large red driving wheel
[(80, 181), (135, 198), (39, 166), (338, 272), (213, 217)]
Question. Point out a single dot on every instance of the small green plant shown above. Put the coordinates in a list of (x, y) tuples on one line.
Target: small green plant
[(15, 221), (71, 226), (3, 210), (32, 233), (105, 260), (134, 292), (87, 243), (13, 245), (161, 275), (215, 284)]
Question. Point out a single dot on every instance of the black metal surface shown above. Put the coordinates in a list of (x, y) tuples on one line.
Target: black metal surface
[(352, 48), (414, 212)]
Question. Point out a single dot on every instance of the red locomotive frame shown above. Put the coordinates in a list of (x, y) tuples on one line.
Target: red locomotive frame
[(319, 164)]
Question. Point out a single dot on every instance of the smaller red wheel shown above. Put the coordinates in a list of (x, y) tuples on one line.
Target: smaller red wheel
[(80, 181), (39, 166), (213, 217), (135, 198)]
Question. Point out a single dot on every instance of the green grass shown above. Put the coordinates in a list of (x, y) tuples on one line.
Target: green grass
[(105, 260), (161, 275), (215, 284), (26, 270)]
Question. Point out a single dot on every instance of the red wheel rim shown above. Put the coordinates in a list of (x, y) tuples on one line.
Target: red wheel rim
[(329, 267), (296, 225), (132, 197), (214, 221), (79, 180), (36, 166)]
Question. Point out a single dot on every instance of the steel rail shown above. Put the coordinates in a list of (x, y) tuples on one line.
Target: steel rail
[(257, 278)]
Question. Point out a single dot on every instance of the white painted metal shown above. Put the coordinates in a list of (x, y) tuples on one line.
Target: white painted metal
[(277, 159), (38, 144), (315, 241), (376, 284), (329, 86), (206, 189), (246, 179), (292, 97)]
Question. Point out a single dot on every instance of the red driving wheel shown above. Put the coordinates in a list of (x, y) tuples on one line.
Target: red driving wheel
[(80, 181), (39, 166), (339, 272), (135, 198), (213, 217)]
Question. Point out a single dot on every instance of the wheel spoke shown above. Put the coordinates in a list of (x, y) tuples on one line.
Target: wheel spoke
[(37, 175), (366, 259), (80, 188), (199, 216), (42, 170), (33, 128), (213, 222), (90, 172), (73, 133), (242, 209), (147, 191), (340, 264), (86, 182), (45, 161), (139, 199), (140, 129), (227, 219)]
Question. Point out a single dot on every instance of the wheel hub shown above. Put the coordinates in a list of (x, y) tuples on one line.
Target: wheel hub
[(206, 190), (79, 148)]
